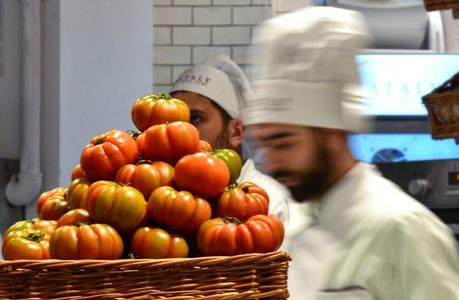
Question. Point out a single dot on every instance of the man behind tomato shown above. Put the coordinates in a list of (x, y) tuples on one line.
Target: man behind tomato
[(369, 240), (213, 90)]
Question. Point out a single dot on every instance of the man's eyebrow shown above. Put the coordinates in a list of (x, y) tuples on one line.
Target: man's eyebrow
[(277, 135), (197, 111)]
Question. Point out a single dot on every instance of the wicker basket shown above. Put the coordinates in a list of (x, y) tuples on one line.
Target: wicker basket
[(443, 109), (441, 4), (247, 276)]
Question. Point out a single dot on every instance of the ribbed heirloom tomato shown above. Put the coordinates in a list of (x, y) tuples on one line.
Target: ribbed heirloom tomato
[(28, 239), (120, 206), (73, 217), (77, 192), (202, 174), (77, 172), (46, 195), (106, 153), (169, 142), (24, 227), (95, 241), (243, 201), (232, 160), (156, 109), (33, 246), (228, 236), (53, 207), (149, 242), (146, 176), (180, 211)]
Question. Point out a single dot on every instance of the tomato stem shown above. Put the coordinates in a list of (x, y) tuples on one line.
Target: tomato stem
[(35, 236), (164, 96), (143, 161), (234, 220)]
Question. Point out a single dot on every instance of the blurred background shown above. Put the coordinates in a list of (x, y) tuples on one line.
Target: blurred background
[(71, 69)]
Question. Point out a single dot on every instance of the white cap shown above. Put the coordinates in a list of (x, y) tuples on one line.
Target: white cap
[(219, 79), (305, 70)]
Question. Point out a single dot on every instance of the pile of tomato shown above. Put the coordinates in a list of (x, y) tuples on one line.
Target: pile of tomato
[(160, 192)]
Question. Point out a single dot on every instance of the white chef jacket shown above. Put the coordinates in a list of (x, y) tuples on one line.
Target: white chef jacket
[(280, 202), (370, 240)]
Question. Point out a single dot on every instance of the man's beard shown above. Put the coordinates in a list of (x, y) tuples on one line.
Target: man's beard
[(313, 180)]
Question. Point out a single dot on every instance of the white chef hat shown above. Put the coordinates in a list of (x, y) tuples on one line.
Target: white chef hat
[(305, 70), (219, 79)]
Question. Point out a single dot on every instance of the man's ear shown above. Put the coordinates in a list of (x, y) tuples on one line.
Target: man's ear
[(235, 133), (333, 138)]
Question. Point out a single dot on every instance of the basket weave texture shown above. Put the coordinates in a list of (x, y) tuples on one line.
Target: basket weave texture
[(443, 109), (246, 276), (432, 5)]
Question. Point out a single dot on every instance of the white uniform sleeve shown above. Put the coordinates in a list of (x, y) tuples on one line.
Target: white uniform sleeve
[(425, 258)]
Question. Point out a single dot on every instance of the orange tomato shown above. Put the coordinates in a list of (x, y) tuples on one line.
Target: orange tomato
[(108, 152), (180, 211), (229, 236), (77, 172), (202, 174), (169, 142), (46, 195), (149, 242), (145, 176), (204, 145), (156, 109), (120, 206), (32, 246), (54, 207), (73, 217), (77, 192), (243, 201), (96, 241)]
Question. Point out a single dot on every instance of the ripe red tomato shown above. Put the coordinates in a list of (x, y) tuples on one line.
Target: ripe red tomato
[(120, 206), (96, 241), (149, 242), (232, 160), (54, 207), (243, 201), (228, 236), (145, 176), (156, 109), (169, 142), (108, 152), (46, 195), (77, 172), (73, 217), (180, 211), (204, 145), (32, 246), (77, 192), (202, 174), (140, 140)]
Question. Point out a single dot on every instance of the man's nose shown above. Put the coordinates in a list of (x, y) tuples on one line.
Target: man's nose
[(266, 161)]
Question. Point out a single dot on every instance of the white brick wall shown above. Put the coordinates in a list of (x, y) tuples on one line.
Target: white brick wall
[(212, 15), (234, 35), (191, 35), (162, 35), (192, 2), (250, 15), (164, 15), (231, 2), (201, 53), (171, 55), (187, 32)]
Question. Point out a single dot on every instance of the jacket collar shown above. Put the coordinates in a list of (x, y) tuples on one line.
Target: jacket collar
[(341, 196)]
